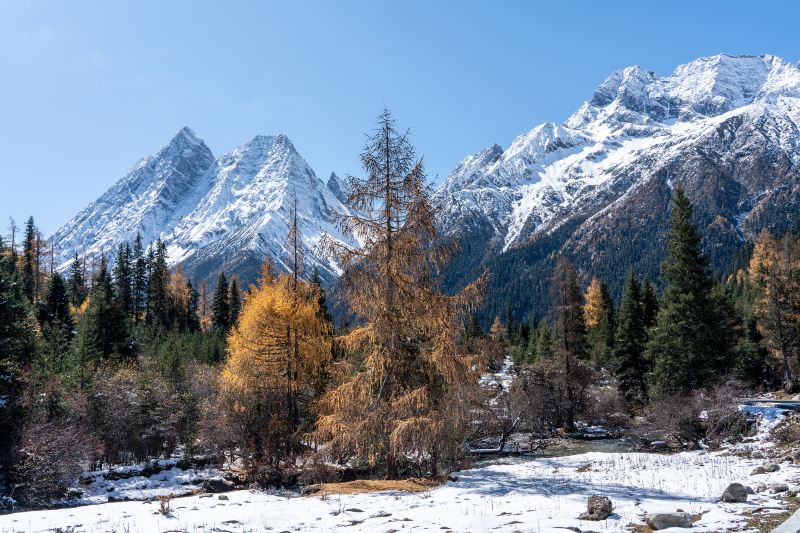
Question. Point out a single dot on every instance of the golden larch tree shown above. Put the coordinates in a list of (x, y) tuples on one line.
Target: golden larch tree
[(595, 306), (397, 397), (275, 356)]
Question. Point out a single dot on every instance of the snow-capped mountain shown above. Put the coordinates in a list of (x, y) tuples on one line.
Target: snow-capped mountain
[(230, 212), (726, 127)]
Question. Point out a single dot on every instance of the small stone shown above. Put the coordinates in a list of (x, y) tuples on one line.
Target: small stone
[(222, 497), (749, 489), (760, 487), (757, 470), (771, 467), (735, 493), (787, 459), (666, 520)]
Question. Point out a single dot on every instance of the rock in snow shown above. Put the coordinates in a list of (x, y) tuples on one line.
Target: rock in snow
[(597, 508), (667, 520), (735, 493)]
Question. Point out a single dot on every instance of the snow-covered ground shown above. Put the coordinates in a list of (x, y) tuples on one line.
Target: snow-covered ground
[(171, 480), (538, 495)]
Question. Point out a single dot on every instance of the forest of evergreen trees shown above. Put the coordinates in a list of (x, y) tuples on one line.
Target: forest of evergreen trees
[(128, 360)]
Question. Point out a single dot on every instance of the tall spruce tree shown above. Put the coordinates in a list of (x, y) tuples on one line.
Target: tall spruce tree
[(235, 301), (77, 283), (123, 282), (570, 349), (681, 344), (29, 260), (650, 304), (105, 333), (221, 305), (54, 311), (138, 279), (192, 305), (158, 286), (18, 341), (631, 367)]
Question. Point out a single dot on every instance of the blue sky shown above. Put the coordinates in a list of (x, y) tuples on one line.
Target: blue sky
[(88, 88)]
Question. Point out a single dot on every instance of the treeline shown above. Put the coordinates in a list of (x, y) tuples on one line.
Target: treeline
[(699, 333), (101, 365)]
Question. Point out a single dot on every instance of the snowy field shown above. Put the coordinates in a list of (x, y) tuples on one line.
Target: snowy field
[(534, 495)]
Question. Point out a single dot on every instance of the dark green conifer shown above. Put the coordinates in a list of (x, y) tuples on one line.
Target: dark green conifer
[(220, 304), (631, 367)]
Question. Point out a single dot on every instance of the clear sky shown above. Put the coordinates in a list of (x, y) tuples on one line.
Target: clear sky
[(88, 88)]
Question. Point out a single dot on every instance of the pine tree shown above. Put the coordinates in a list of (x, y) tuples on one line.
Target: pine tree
[(681, 343), (157, 286), (650, 304), (221, 306), (138, 279), (569, 345), (29, 273), (409, 338), (18, 342), (123, 282), (235, 299), (511, 325), (54, 312), (192, 304), (17, 323), (544, 346), (473, 329), (108, 331), (631, 367), (77, 283)]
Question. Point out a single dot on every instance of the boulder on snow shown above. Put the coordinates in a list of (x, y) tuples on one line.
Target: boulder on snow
[(666, 520), (597, 508), (771, 467), (749, 489), (216, 484), (776, 488), (757, 470), (760, 487), (735, 493)]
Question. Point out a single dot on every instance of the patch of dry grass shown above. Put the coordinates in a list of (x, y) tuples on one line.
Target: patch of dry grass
[(377, 485), (767, 521)]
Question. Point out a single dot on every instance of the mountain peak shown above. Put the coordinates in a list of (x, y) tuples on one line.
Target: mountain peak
[(335, 186)]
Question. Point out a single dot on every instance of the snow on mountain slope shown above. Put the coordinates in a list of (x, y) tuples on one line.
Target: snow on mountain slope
[(151, 199), (635, 125), (229, 212)]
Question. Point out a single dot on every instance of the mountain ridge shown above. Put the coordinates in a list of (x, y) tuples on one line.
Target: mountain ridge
[(229, 212)]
